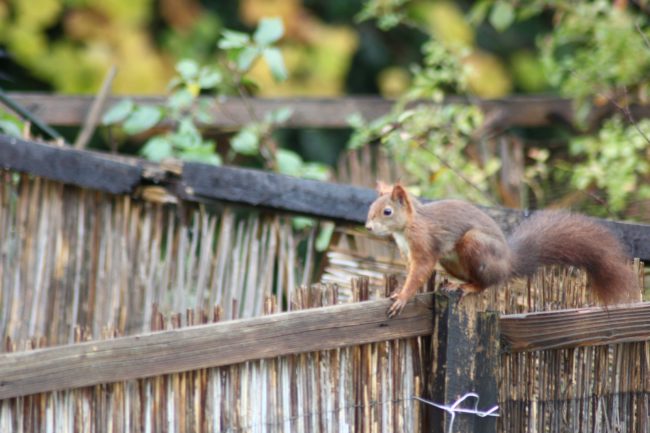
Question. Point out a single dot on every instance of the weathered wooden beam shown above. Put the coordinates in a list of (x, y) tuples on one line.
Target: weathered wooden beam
[(520, 111), (203, 182), (577, 327), (270, 190), (230, 113), (343, 203), (67, 165), (465, 360), (211, 345)]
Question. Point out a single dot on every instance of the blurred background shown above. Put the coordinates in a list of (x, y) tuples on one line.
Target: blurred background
[(68, 45), (595, 53)]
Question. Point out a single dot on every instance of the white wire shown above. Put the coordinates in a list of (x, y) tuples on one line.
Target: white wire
[(454, 409)]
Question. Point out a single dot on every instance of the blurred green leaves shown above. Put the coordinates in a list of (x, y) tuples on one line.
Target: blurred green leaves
[(244, 51), (118, 112), (141, 118), (184, 111), (502, 15), (269, 31), (10, 124)]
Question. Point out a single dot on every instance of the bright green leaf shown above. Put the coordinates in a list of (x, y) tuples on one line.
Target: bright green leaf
[(10, 128), (246, 142), (246, 58), (180, 99), (289, 162), (479, 11), (202, 153), (118, 112), (232, 40), (356, 120), (188, 69), (273, 58), (502, 15), (316, 171), (280, 115), (204, 111), (157, 148), (142, 118), (209, 78), (324, 236), (268, 31), (187, 136), (301, 223)]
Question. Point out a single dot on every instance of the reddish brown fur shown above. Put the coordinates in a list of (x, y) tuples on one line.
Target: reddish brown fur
[(471, 246), (562, 238)]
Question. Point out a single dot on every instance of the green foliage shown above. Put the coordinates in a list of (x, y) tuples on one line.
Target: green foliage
[(614, 162), (269, 31), (10, 124), (118, 112), (244, 51), (502, 15), (388, 13), (441, 73), (185, 111), (142, 118), (597, 51), (596, 48), (430, 141)]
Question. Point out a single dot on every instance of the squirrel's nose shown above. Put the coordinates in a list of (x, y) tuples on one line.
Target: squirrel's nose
[(369, 227)]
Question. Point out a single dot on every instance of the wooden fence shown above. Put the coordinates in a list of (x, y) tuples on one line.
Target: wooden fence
[(99, 251), (331, 367)]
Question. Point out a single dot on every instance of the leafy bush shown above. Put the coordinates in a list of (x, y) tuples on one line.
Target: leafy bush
[(596, 52), (186, 111)]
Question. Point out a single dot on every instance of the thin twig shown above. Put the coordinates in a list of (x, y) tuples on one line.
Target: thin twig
[(460, 175), (267, 150), (643, 35), (628, 113), (90, 123)]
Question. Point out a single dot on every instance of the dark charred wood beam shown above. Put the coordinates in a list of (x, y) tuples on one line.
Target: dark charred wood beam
[(204, 183), (68, 165)]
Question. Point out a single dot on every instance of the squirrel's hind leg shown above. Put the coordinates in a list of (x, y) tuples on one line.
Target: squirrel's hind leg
[(486, 259)]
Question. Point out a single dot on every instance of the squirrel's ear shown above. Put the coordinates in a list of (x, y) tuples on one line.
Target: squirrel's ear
[(400, 195), (383, 188)]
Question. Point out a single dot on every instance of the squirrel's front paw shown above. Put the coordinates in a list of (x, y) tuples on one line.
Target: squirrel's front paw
[(399, 302), (449, 287)]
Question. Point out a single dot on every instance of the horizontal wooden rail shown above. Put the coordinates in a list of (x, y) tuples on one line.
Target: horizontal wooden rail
[(227, 343), (577, 327), (520, 111), (211, 345), (201, 182)]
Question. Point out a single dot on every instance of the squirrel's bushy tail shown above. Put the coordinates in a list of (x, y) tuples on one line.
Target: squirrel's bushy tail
[(562, 238)]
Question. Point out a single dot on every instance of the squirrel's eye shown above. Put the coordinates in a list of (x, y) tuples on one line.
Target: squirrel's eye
[(388, 211)]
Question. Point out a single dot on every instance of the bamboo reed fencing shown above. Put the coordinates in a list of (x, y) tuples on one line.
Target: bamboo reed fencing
[(366, 387), (76, 258), (80, 265)]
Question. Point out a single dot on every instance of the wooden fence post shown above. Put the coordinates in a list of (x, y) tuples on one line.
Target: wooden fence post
[(465, 358)]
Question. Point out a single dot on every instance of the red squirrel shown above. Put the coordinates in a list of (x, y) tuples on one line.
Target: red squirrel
[(470, 246)]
